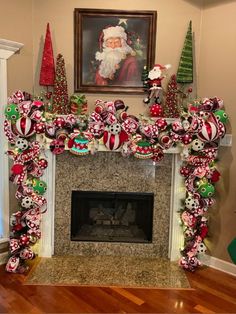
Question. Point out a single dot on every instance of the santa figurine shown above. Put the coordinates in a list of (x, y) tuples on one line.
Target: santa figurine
[(154, 80)]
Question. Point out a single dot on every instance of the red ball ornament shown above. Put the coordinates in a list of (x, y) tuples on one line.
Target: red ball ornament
[(17, 169), (208, 132), (39, 128), (156, 110), (59, 122), (57, 147), (158, 154), (119, 104), (24, 239), (186, 139), (161, 123), (185, 171), (42, 163)]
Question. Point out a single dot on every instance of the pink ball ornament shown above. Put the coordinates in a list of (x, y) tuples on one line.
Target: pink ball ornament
[(156, 110), (27, 253), (24, 127)]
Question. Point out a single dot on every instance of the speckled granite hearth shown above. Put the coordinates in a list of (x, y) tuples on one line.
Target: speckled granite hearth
[(109, 171)]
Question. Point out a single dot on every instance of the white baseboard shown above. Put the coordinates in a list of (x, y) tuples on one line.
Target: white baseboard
[(219, 264), (3, 258)]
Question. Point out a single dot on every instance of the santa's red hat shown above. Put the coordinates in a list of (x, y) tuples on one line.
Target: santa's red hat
[(162, 67)]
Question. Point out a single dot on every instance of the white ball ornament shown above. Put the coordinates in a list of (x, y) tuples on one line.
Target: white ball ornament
[(201, 248), (27, 202), (191, 203), (22, 143), (197, 145), (115, 128)]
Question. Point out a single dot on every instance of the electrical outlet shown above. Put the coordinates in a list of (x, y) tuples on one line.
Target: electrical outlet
[(226, 140)]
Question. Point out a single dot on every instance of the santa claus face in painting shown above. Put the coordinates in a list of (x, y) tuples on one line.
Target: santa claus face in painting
[(115, 49)]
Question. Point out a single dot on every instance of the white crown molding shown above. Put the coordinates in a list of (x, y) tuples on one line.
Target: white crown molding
[(8, 48)]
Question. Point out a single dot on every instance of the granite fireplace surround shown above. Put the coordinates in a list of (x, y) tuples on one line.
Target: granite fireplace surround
[(109, 171)]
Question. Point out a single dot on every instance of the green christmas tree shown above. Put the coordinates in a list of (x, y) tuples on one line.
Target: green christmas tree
[(185, 69), (144, 77), (60, 96), (171, 108)]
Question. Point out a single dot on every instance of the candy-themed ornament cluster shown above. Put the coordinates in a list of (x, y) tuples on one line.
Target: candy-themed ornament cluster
[(197, 131)]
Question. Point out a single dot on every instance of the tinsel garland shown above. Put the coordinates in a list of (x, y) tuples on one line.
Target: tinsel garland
[(198, 132)]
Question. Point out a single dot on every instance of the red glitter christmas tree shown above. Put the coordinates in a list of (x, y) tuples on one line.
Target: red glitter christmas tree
[(171, 108), (47, 72), (60, 103)]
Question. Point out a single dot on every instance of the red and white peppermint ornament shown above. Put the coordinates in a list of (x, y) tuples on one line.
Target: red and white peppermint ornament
[(208, 132), (27, 253), (14, 245), (130, 125), (24, 127), (36, 115), (12, 264), (114, 141)]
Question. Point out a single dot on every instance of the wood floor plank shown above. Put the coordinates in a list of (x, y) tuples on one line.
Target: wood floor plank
[(213, 292), (128, 295)]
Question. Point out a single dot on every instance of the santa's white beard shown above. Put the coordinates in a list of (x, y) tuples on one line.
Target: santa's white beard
[(110, 58), (154, 74)]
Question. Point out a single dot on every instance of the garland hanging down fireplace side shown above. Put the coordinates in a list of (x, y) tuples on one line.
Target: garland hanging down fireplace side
[(112, 216)]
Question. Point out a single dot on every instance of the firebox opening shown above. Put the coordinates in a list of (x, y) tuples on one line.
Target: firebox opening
[(112, 216)]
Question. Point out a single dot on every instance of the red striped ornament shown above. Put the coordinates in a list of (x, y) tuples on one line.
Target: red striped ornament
[(208, 132), (24, 127)]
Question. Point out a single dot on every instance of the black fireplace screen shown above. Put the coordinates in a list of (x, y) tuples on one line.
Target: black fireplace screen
[(112, 216)]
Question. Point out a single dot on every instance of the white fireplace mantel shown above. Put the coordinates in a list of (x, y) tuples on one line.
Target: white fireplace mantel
[(7, 49)]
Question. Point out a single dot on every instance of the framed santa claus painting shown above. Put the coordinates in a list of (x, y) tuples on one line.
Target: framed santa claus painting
[(111, 48)]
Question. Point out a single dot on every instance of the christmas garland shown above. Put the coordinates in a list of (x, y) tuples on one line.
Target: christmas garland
[(198, 131)]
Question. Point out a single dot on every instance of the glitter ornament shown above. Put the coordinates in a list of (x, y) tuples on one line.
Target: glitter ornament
[(221, 116), (206, 189), (39, 186), (12, 112)]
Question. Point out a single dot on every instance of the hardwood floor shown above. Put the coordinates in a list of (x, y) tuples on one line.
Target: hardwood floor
[(213, 292)]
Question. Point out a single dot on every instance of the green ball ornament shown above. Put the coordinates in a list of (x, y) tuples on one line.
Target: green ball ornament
[(39, 186), (221, 115), (12, 112), (206, 190)]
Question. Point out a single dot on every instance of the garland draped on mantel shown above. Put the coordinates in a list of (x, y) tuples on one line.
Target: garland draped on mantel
[(197, 131)]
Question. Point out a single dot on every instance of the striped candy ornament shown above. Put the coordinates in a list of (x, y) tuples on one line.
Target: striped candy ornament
[(208, 132), (113, 141), (24, 127)]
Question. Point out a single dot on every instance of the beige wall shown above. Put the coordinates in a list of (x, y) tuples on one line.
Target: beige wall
[(217, 76), (215, 31), (172, 23), (16, 25)]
